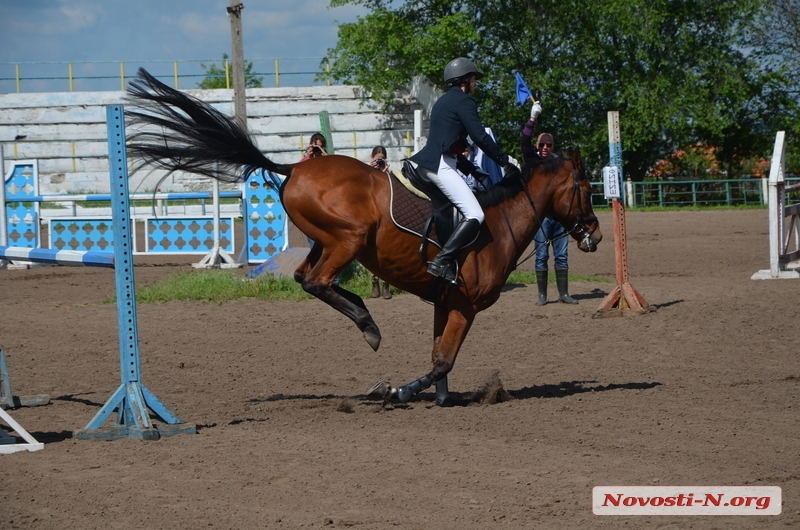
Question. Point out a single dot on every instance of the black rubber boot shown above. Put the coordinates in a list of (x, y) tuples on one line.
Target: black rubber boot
[(541, 283), (443, 265), (562, 283)]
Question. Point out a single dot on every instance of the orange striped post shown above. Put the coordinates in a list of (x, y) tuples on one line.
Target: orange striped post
[(623, 300)]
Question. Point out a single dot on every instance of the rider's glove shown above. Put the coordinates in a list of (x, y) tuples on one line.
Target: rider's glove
[(536, 109)]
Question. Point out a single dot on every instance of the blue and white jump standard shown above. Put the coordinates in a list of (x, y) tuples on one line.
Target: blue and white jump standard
[(132, 399)]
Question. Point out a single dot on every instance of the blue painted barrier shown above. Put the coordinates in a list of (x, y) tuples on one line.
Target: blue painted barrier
[(132, 400), (61, 257)]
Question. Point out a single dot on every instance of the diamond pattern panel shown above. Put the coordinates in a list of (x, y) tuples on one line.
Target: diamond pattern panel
[(22, 218), (266, 224), (81, 234), (188, 235)]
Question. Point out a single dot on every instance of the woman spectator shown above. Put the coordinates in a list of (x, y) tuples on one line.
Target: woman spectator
[(316, 147), (378, 161)]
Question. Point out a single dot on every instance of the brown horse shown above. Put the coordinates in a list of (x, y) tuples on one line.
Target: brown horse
[(343, 205)]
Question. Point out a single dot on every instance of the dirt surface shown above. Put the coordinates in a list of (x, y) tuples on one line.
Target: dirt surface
[(703, 391)]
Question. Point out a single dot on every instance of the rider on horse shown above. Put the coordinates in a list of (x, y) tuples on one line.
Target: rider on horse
[(453, 117)]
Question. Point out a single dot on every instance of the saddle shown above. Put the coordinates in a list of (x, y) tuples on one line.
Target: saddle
[(419, 207), (432, 218)]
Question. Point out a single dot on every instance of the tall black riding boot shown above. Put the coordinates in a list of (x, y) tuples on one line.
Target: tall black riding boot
[(443, 265), (541, 283), (562, 282)]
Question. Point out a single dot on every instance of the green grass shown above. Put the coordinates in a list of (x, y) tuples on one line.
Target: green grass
[(223, 286), (529, 277), (219, 286)]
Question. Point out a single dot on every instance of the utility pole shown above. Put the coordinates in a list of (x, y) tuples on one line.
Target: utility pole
[(237, 57)]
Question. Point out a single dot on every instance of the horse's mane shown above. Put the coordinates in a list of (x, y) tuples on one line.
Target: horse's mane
[(507, 188)]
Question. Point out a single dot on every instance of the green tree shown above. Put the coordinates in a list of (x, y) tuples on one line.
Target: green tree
[(775, 41), (215, 76), (383, 49), (677, 70), (775, 38)]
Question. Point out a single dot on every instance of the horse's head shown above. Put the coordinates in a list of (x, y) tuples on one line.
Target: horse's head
[(572, 206)]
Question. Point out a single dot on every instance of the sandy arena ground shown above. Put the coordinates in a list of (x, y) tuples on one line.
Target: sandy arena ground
[(703, 391)]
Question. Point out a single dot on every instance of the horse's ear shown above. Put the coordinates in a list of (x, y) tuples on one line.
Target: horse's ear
[(577, 161)]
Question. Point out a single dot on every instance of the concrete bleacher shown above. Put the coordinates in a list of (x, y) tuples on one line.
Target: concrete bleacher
[(66, 131)]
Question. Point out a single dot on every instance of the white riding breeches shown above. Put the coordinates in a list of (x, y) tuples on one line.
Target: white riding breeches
[(454, 188)]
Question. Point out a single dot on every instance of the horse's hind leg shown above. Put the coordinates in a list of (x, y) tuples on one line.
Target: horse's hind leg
[(316, 273), (349, 305)]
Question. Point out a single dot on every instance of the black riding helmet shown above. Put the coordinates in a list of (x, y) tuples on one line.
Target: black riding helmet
[(459, 68)]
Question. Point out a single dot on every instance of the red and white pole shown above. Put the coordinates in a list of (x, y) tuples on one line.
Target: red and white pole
[(624, 299)]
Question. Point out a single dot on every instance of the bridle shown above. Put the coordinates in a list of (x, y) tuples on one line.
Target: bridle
[(581, 225)]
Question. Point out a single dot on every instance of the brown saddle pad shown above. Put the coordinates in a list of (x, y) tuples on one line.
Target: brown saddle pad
[(410, 212)]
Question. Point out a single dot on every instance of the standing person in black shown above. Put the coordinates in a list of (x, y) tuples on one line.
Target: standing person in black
[(454, 117)]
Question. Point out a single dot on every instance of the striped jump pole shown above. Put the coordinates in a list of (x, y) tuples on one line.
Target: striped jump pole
[(59, 257)]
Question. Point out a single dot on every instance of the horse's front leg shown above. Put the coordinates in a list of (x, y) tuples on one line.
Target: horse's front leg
[(439, 324), (450, 329)]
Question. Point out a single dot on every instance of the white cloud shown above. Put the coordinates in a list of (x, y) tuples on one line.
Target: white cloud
[(158, 30), (300, 14), (303, 29), (198, 26), (73, 16)]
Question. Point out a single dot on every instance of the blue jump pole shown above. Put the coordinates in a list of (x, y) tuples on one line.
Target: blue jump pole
[(60, 257), (132, 399)]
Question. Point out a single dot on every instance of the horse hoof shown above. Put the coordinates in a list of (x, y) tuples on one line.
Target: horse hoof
[(381, 390), (373, 339), (446, 402)]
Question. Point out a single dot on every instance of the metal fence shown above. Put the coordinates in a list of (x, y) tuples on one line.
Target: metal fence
[(91, 76), (723, 192), (728, 192)]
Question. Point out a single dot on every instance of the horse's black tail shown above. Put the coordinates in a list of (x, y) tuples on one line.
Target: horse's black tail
[(178, 132)]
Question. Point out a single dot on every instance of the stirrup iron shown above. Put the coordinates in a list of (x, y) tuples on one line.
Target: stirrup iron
[(445, 271)]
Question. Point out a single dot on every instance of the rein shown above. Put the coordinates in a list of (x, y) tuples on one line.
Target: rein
[(580, 226)]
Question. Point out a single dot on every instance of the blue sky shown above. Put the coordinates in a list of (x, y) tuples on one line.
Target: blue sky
[(132, 31)]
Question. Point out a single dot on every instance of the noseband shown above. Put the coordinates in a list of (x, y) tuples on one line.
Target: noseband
[(581, 226)]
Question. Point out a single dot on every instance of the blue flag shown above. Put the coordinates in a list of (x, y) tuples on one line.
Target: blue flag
[(523, 94)]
